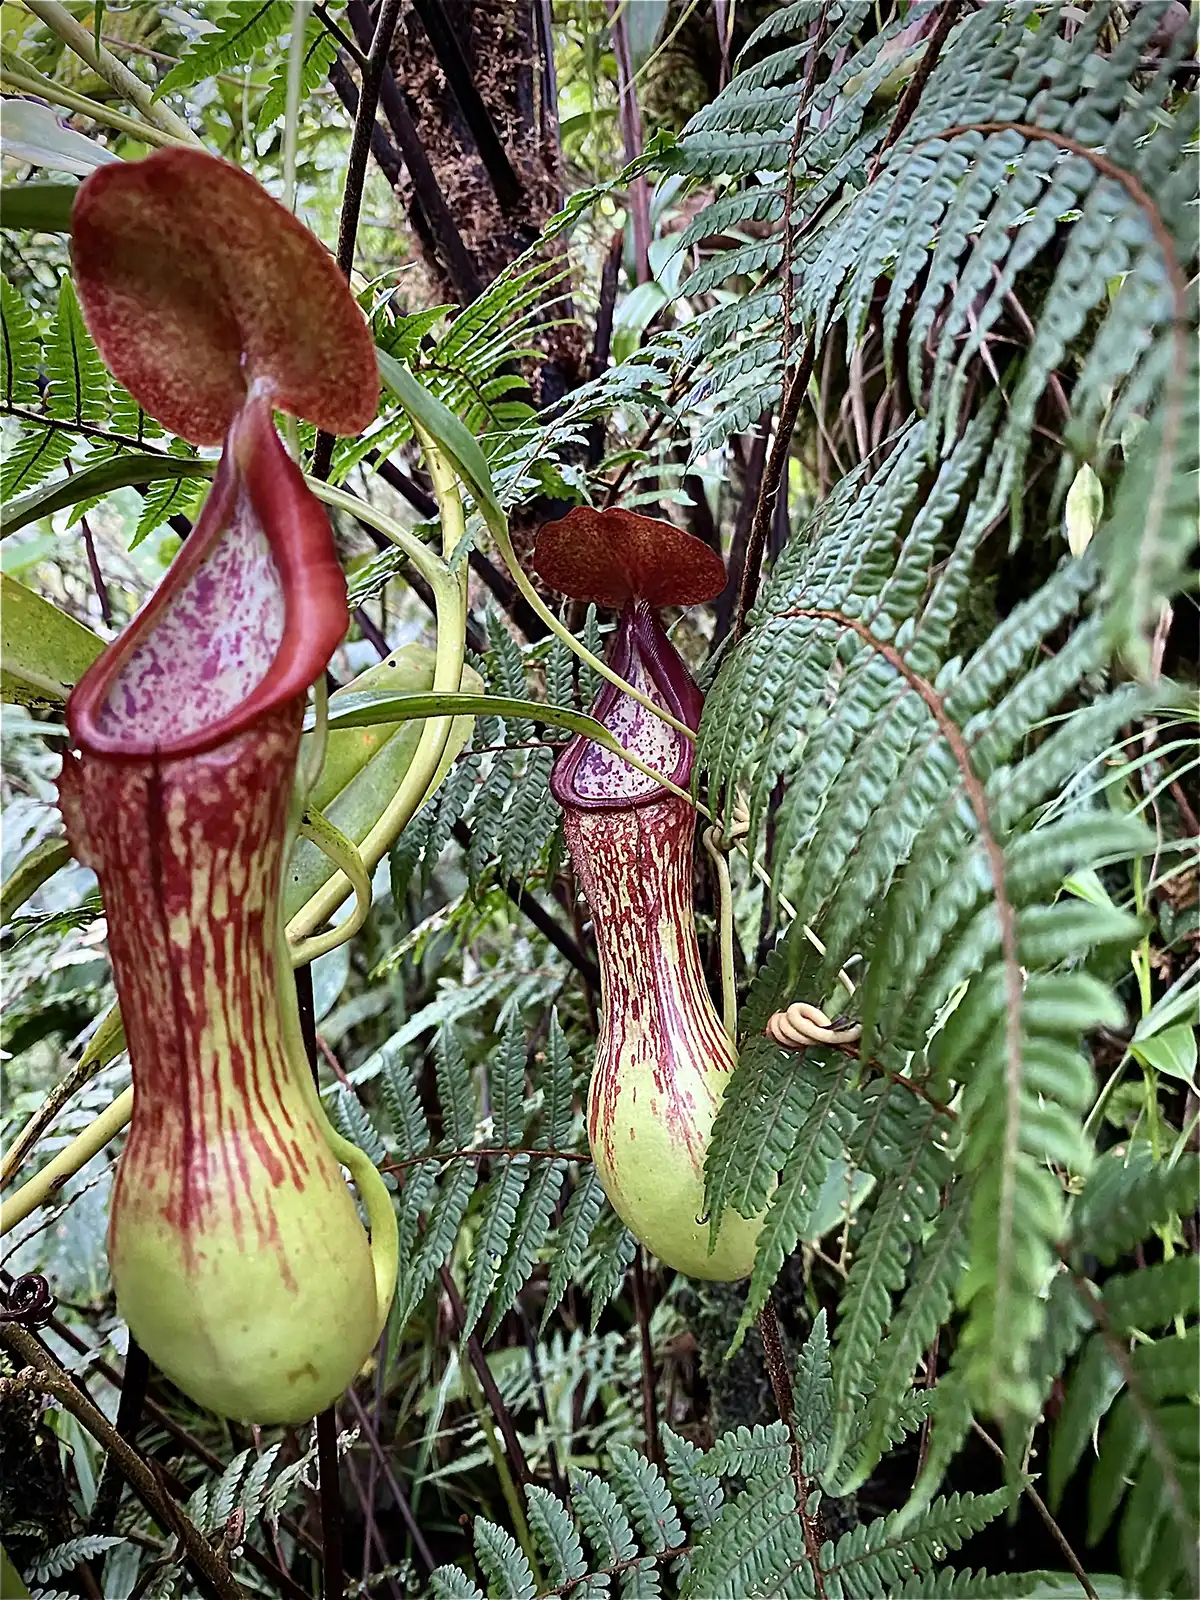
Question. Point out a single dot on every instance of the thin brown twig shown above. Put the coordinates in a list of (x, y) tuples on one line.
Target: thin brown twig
[(333, 1573), (504, 1421), (789, 192), (349, 45), (42, 1372), (794, 383), (372, 1539), (356, 173), (947, 17), (129, 1417), (1043, 1511), (781, 1384), (617, 1568), (913, 1085), (641, 1306), (389, 1477), (87, 430), (98, 583), (772, 481)]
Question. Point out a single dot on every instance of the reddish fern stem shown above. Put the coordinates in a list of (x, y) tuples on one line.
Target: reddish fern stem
[(977, 800)]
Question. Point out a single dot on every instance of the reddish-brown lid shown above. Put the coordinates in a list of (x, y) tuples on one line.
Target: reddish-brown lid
[(194, 282), (613, 556)]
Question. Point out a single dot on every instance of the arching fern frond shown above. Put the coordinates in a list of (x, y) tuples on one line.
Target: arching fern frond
[(1030, 162), (907, 831), (524, 1150), (738, 1519)]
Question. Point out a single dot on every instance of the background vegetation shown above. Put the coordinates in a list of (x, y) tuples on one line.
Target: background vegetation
[(893, 304)]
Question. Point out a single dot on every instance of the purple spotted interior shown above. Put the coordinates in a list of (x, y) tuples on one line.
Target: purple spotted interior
[(210, 648), (601, 775), (591, 777)]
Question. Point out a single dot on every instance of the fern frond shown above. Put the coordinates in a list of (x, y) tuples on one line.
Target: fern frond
[(812, 1399), (500, 1200), (61, 1558), (165, 499), (1148, 1456), (237, 36), (529, 1231), (554, 1532), (1128, 1194), (36, 454), (880, 1557), (456, 1093), (452, 1583), (509, 1574), (453, 1194), (755, 1129), (757, 1536), (698, 1492), (614, 1248), (506, 1084), (908, 1201), (77, 388), (20, 348), (320, 48), (571, 1242), (819, 1142), (647, 1498), (924, 1308), (603, 1519)]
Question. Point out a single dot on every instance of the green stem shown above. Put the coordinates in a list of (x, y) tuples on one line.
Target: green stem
[(720, 863), (313, 758), (115, 73), (372, 1191), (291, 120), (316, 826), (450, 601), (27, 80)]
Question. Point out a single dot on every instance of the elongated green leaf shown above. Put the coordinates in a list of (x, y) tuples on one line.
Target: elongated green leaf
[(369, 708), (33, 133), (39, 207), (45, 652), (102, 478), (451, 434), (30, 873)]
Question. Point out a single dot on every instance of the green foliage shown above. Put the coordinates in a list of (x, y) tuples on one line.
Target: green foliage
[(1133, 1385), (732, 1520), (903, 802), (956, 212), (511, 1214), (69, 1554), (930, 734), (320, 48), (239, 33)]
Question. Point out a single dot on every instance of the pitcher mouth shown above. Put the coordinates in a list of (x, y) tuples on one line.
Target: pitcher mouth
[(593, 779), (272, 538)]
